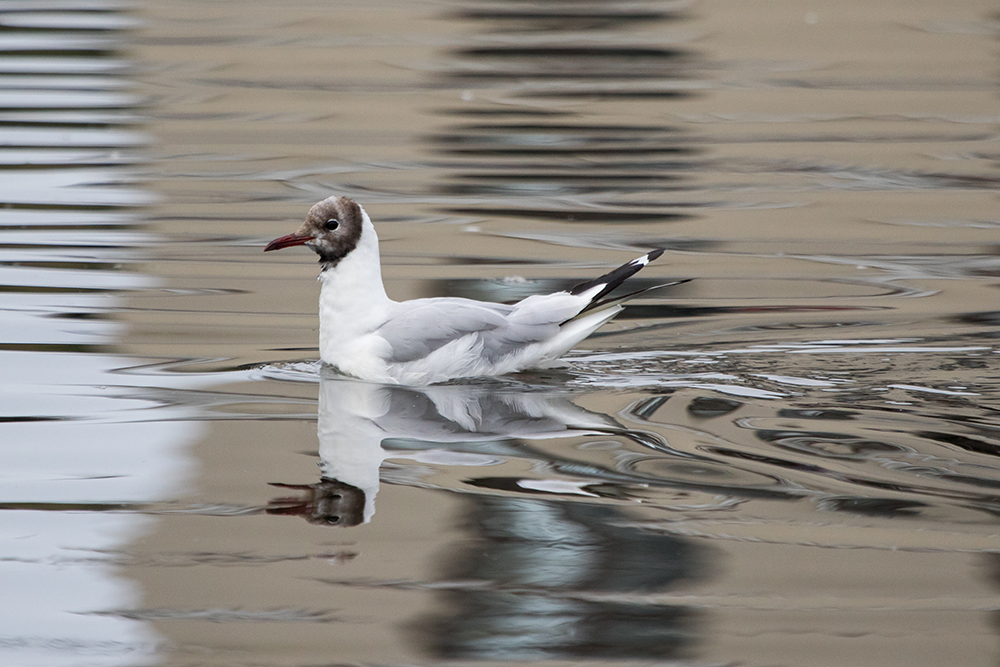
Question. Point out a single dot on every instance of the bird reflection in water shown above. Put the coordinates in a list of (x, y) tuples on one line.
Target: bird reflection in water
[(547, 571), (329, 502), (469, 424)]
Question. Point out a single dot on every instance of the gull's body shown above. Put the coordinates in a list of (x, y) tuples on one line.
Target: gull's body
[(366, 334)]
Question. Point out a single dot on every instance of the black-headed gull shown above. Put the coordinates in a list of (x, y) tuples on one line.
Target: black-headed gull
[(364, 333)]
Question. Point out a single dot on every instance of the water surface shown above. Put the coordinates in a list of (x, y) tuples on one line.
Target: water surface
[(790, 460)]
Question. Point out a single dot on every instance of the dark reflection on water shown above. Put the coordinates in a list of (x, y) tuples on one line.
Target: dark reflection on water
[(562, 170), (524, 555), (496, 626), (567, 547)]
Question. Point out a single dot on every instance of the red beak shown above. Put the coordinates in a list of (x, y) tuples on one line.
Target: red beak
[(287, 242)]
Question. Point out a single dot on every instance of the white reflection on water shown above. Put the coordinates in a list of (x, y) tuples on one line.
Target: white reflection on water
[(447, 425), (73, 462)]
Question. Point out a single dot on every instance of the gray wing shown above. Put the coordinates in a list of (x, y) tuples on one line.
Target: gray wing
[(423, 325)]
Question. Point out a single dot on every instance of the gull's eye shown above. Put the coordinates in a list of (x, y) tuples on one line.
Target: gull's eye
[(331, 224)]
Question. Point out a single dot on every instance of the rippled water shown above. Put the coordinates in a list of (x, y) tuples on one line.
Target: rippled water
[(789, 460)]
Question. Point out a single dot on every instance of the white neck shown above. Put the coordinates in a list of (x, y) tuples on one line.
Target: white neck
[(350, 440), (352, 300)]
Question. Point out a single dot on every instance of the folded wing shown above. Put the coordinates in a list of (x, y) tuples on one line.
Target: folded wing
[(422, 326)]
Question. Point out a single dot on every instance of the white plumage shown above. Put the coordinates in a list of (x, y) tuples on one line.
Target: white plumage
[(366, 334)]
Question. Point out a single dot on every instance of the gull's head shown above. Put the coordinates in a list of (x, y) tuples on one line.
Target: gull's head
[(332, 229)]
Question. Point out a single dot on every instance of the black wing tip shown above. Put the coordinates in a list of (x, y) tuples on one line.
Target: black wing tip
[(647, 258), (615, 278)]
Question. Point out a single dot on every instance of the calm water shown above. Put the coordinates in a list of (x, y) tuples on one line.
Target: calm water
[(790, 460)]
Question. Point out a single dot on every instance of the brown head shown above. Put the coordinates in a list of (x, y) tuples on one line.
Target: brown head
[(331, 230)]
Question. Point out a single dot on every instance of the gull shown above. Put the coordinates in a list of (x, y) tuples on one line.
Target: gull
[(364, 333)]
